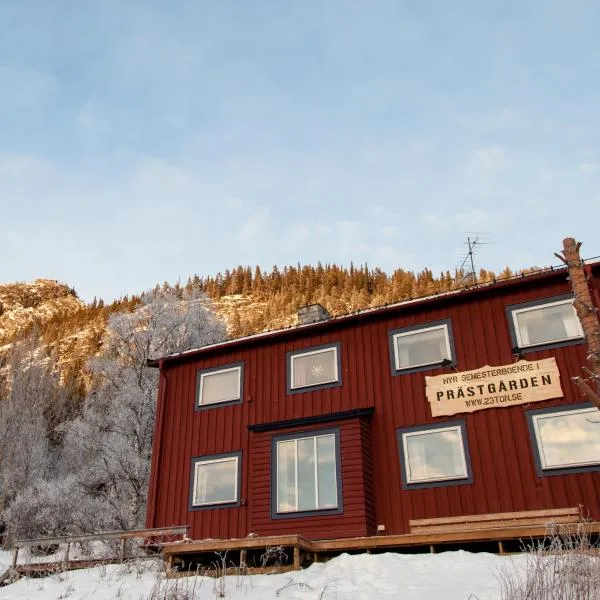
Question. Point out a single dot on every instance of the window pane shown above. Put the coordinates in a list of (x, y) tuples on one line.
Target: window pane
[(436, 455), (421, 348), (548, 324), (220, 386), (307, 494), (327, 475), (568, 440), (315, 368), (307, 474), (286, 476), (216, 481)]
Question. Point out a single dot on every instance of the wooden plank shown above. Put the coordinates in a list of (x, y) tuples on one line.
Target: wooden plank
[(469, 526), (53, 567), (236, 544), (231, 571), (496, 516), (108, 535)]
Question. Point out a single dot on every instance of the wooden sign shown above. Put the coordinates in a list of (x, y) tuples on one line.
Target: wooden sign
[(493, 387)]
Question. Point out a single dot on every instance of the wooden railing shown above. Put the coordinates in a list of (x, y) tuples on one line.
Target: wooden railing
[(122, 536)]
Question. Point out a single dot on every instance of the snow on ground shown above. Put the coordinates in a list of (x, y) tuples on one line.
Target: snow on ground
[(448, 575)]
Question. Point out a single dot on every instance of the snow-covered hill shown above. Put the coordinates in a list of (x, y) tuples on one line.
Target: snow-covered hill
[(448, 576)]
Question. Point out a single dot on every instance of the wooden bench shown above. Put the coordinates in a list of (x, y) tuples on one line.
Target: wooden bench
[(537, 519)]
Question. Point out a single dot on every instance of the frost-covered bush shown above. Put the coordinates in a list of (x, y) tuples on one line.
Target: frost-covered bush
[(25, 456), (565, 566), (54, 508), (99, 480)]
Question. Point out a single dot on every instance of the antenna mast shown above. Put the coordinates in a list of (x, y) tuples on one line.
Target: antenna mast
[(473, 242)]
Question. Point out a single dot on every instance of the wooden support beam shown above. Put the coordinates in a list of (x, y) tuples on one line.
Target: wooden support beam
[(297, 558), (122, 550)]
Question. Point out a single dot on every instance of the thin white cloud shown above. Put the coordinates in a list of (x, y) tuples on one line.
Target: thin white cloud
[(485, 161), (255, 225), (347, 228)]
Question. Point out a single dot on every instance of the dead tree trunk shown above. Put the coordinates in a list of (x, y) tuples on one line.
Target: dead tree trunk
[(588, 316)]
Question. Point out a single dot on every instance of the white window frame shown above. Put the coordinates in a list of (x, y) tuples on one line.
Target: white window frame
[(541, 306), (212, 373), (536, 418), (418, 331), (299, 354), (429, 431), (316, 472), (198, 463)]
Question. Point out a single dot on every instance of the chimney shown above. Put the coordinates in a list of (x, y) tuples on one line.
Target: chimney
[(312, 313)]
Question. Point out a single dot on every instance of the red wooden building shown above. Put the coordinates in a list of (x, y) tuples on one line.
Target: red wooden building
[(455, 404)]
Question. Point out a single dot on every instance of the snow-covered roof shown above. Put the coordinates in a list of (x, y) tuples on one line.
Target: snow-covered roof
[(365, 312)]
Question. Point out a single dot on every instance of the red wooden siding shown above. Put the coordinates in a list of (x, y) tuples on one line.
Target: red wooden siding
[(354, 521), (504, 475)]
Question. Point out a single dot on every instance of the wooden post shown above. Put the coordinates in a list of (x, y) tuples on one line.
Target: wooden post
[(66, 557), (587, 313), (296, 558), (122, 551), (431, 548), (15, 555), (500, 547)]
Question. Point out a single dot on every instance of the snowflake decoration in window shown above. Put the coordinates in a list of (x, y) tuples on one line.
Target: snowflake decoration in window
[(317, 370)]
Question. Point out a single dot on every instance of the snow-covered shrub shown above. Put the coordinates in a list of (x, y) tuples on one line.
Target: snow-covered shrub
[(565, 566), (54, 508)]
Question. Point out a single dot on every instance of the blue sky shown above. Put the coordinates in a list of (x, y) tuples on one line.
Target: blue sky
[(145, 141)]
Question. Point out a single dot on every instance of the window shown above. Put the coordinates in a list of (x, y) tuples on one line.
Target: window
[(544, 323), (434, 455), (566, 439), (219, 385), (306, 476), (314, 368), (421, 347), (215, 480)]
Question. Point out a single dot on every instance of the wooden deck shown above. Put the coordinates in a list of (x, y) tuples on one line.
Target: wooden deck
[(487, 535)]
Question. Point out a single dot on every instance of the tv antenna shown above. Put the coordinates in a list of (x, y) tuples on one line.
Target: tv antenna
[(474, 240)]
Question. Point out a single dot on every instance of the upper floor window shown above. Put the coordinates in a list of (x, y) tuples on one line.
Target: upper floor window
[(544, 323), (421, 347), (306, 470), (215, 480), (316, 367), (434, 455), (566, 438), (219, 385)]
